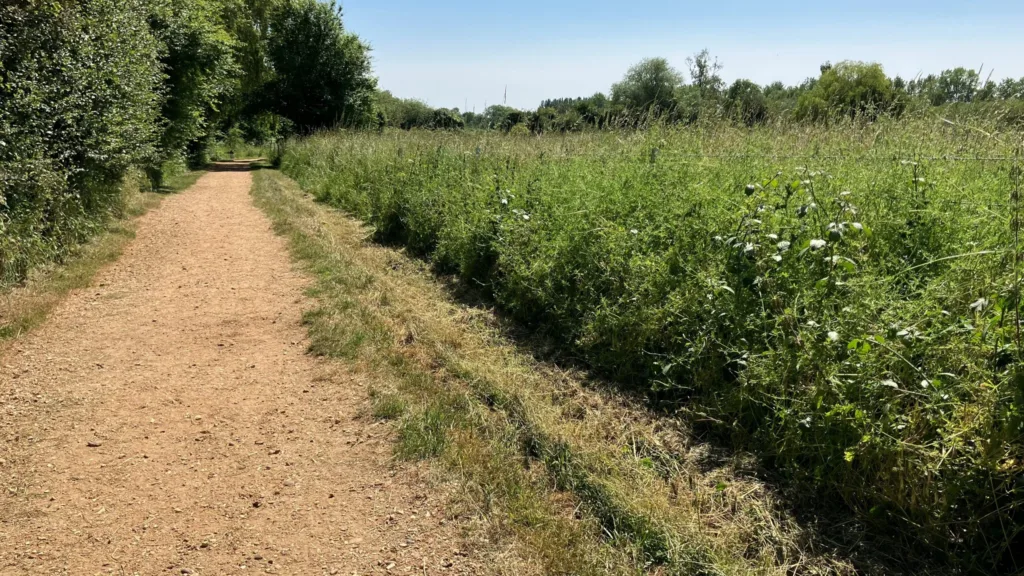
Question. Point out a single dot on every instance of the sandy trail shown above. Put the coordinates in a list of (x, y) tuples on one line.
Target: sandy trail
[(168, 421)]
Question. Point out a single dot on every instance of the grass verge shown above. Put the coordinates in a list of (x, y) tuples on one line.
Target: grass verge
[(584, 481), (24, 307)]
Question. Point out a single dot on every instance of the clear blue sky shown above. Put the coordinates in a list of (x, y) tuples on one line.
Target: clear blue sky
[(457, 53)]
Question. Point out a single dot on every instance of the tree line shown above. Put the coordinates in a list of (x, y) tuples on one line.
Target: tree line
[(93, 89), (654, 90)]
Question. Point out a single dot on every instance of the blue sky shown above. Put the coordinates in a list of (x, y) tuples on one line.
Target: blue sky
[(462, 54)]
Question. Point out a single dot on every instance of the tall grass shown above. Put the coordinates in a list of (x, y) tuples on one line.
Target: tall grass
[(843, 300)]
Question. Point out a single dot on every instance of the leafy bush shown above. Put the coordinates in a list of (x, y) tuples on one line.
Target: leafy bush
[(79, 106), (650, 84), (847, 89), (197, 61), (842, 301), (746, 102), (92, 88)]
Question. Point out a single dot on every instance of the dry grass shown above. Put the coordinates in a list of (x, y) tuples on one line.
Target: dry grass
[(586, 481)]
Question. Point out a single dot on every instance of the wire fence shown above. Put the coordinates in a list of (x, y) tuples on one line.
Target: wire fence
[(834, 157)]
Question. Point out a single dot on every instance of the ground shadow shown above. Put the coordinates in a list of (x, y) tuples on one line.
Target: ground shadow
[(831, 528), (235, 165)]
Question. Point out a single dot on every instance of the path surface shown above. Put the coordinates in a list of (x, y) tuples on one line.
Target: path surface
[(168, 421)]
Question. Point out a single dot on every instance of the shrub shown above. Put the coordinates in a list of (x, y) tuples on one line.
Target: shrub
[(322, 72), (847, 89), (79, 85)]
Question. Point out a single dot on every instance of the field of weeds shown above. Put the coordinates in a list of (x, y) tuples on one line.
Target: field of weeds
[(842, 301)]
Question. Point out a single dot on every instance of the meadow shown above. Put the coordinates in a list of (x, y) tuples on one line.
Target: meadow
[(841, 300)]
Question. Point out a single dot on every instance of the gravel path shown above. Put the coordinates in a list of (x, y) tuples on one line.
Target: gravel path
[(167, 420)]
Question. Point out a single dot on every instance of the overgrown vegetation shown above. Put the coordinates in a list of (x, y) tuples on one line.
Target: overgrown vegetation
[(843, 301), (91, 90), (825, 274), (586, 483)]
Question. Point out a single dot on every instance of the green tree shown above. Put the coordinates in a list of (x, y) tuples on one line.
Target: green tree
[(847, 88), (956, 85), (986, 92), (200, 73), (80, 96), (648, 85), (446, 119), (746, 102), (704, 73), (500, 117), (322, 73), (1010, 89), (248, 22), (543, 120)]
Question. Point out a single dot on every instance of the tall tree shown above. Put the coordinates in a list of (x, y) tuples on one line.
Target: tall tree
[(956, 85), (322, 73), (650, 84), (746, 102), (847, 88), (704, 73)]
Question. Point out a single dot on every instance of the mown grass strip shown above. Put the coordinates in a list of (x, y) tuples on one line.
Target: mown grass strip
[(434, 418)]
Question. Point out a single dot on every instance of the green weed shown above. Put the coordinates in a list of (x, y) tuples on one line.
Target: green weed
[(596, 492)]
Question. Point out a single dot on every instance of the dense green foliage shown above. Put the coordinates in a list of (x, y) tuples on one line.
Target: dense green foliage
[(79, 105), (322, 74), (90, 89), (852, 88), (199, 70), (842, 301), (649, 85)]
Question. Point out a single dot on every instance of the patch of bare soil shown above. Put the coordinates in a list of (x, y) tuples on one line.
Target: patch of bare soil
[(167, 420)]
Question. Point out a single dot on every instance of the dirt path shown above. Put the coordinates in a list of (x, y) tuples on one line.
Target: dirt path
[(168, 421)]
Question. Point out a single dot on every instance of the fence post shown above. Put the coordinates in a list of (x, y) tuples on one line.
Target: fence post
[(1015, 224)]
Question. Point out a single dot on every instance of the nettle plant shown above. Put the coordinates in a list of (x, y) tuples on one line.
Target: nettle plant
[(790, 262), (854, 344)]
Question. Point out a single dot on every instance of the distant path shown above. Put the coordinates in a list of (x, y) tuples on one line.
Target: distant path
[(168, 421)]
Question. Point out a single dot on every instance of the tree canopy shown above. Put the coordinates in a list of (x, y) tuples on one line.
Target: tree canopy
[(90, 89), (648, 85), (848, 88), (321, 73)]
